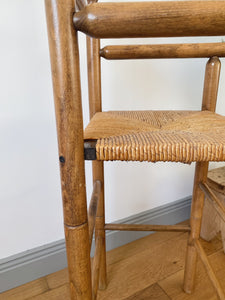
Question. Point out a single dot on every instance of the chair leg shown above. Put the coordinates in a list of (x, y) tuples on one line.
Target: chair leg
[(78, 257), (195, 224), (98, 174)]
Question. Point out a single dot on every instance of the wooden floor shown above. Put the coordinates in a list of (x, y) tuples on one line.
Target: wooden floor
[(150, 268)]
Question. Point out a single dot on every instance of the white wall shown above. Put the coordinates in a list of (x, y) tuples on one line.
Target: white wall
[(30, 200)]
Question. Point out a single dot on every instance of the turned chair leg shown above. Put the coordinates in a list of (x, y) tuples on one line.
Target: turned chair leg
[(78, 257), (195, 224), (63, 44), (98, 174)]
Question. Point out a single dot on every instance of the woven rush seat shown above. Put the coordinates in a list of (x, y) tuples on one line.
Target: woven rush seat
[(179, 136)]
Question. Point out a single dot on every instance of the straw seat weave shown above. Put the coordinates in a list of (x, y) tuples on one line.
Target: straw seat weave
[(179, 136)]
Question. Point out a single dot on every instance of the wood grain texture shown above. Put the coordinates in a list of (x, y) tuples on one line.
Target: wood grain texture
[(153, 292), (144, 269), (57, 279), (95, 106), (114, 20), (211, 84), (59, 293), (219, 207), (213, 246), (64, 55), (98, 174), (149, 249), (78, 256), (26, 291), (163, 51), (203, 289), (208, 103), (210, 272), (96, 267), (94, 75), (141, 227), (213, 220), (201, 170), (216, 179), (93, 208), (212, 223), (130, 250), (67, 95), (152, 19)]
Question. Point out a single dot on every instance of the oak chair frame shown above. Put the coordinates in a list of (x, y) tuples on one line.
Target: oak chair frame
[(63, 23)]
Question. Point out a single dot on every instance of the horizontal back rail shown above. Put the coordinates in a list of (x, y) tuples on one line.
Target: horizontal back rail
[(152, 19), (163, 51)]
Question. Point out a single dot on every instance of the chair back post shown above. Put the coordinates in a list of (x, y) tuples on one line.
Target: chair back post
[(94, 75), (64, 55), (95, 105), (211, 84)]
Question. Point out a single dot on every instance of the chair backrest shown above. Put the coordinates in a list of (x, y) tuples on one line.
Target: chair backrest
[(122, 20), (151, 19)]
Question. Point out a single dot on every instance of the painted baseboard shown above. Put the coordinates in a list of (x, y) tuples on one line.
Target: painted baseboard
[(35, 263)]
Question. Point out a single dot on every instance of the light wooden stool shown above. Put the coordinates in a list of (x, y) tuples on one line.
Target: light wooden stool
[(213, 218), (175, 136)]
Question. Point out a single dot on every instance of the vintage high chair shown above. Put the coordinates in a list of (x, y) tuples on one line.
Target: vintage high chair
[(176, 136)]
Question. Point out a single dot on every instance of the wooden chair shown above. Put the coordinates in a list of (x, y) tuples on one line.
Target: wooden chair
[(179, 136)]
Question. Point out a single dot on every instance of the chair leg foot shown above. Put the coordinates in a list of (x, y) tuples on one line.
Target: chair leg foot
[(103, 273), (78, 256), (190, 269), (102, 269)]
